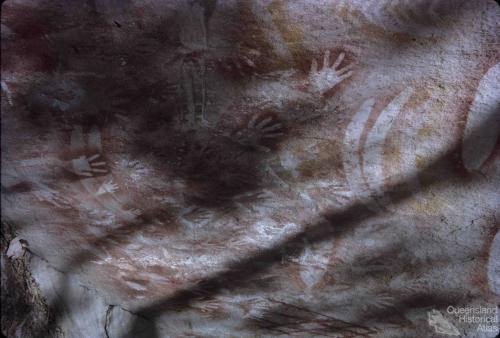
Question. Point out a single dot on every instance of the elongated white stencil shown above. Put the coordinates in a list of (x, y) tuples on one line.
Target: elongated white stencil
[(373, 153), (351, 149), (483, 122)]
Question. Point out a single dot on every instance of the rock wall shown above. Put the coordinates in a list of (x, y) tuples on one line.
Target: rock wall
[(260, 168)]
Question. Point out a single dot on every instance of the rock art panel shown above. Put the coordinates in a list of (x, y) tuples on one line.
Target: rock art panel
[(252, 168)]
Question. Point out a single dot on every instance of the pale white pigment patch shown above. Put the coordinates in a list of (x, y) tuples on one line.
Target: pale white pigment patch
[(483, 122), (289, 162)]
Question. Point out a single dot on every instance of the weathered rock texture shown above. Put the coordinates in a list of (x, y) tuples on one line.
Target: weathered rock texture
[(246, 168)]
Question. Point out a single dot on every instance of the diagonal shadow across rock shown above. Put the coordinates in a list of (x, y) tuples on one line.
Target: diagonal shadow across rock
[(208, 176), (333, 225)]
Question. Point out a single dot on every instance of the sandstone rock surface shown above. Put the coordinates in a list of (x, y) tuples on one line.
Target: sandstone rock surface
[(260, 168)]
